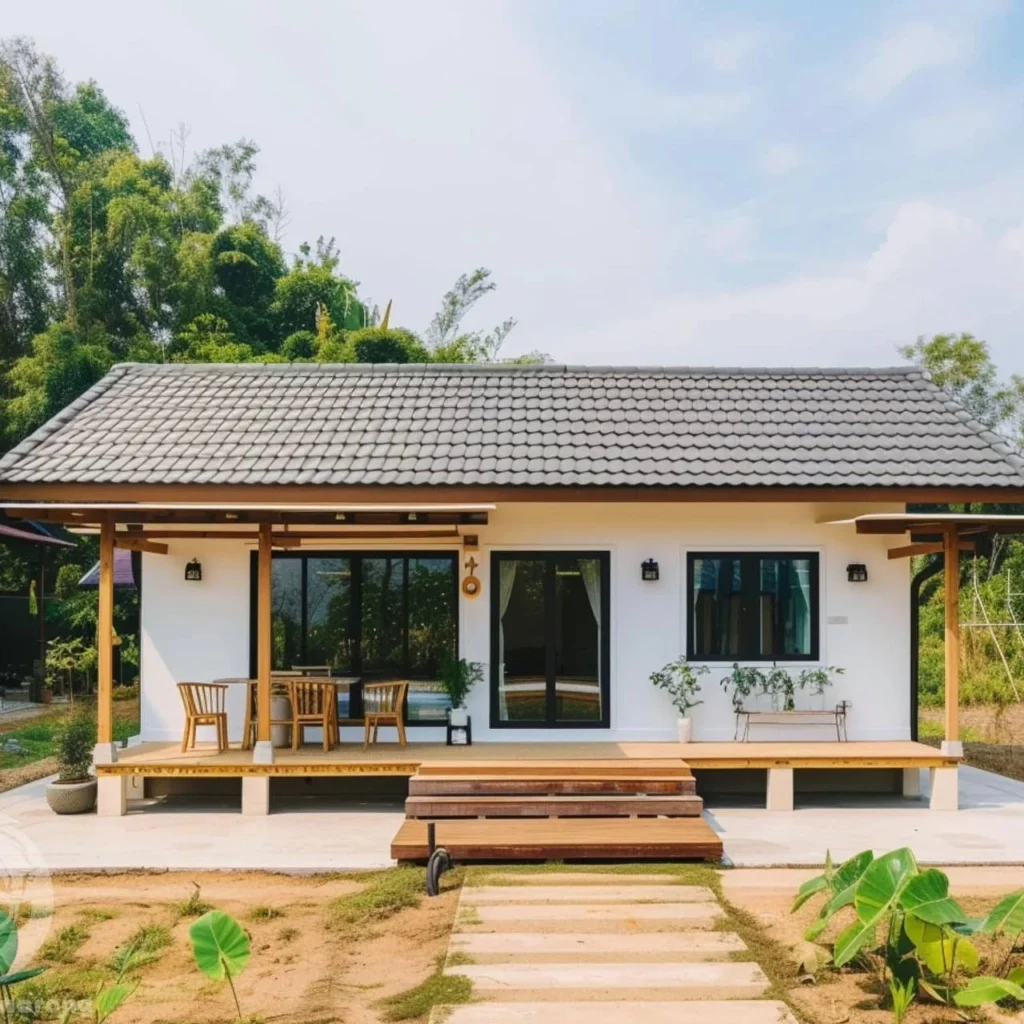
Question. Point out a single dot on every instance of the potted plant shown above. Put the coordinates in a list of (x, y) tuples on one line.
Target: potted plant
[(74, 792), (458, 677), (679, 680), (817, 680), (779, 683), (743, 682)]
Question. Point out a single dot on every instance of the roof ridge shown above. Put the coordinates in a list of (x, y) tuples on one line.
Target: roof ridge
[(55, 423)]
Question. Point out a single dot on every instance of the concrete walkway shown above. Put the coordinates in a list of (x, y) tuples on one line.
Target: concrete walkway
[(337, 836), (611, 948)]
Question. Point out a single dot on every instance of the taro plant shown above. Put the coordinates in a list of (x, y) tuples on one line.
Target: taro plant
[(743, 682), (8, 953), (222, 949), (679, 679), (908, 928), (112, 996)]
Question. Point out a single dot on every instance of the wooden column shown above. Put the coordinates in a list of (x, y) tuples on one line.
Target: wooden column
[(263, 637), (105, 638), (951, 551)]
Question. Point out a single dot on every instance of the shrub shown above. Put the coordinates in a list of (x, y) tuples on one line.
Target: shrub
[(76, 738)]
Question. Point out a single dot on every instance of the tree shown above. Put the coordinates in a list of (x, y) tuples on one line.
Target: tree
[(380, 345), (312, 281), (444, 337)]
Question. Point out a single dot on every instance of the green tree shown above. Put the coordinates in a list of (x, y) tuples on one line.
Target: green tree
[(314, 281)]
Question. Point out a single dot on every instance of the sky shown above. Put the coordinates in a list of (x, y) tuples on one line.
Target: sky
[(720, 183)]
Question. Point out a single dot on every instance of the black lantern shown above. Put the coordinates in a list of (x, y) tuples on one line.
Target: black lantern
[(857, 572), (193, 571), (649, 570)]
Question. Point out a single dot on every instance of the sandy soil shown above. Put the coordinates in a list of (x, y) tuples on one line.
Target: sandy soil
[(848, 997), (993, 739), (300, 973)]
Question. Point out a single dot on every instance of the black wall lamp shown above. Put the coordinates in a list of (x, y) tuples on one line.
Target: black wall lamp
[(649, 571), (193, 571), (857, 572)]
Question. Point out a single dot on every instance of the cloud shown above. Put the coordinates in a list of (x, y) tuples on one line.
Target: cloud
[(726, 54), (694, 108), (906, 51), (732, 235), (935, 270), (780, 158)]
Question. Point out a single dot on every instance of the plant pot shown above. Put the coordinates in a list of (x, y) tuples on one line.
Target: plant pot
[(685, 726), (459, 717), (46, 695), (71, 797)]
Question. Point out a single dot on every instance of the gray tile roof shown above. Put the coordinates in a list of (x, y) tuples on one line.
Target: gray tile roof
[(533, 426)]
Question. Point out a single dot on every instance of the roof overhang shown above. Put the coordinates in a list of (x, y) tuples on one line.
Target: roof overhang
[(932, 522)]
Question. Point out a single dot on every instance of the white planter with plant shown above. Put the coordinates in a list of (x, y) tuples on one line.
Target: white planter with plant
[(679, 680), (458, 677), (74, 792)]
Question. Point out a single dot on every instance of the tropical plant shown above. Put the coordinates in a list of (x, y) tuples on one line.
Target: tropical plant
[(76, 737), (817, 680), (743, 682), (8, 953), (222, 949), (458, 677), (779, 682), (679, 680), (910, 930)]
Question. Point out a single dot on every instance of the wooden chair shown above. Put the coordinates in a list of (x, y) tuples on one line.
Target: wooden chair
[(278, 688), (204, 705), (383, 704), (314, 703)]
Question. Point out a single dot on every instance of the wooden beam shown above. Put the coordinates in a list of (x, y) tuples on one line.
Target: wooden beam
[(928, 548), (105, 638), (253, 535), (264, 638), (139, 544), (952, 644)]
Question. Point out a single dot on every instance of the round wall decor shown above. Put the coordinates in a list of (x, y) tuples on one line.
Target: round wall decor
[(471, 586)]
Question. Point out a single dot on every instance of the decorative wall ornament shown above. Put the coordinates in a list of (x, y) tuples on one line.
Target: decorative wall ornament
[(471, 583)]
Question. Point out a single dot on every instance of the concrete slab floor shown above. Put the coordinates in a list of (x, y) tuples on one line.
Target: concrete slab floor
[(337, 836)]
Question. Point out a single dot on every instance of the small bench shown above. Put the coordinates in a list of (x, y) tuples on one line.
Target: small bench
[(826, 716)]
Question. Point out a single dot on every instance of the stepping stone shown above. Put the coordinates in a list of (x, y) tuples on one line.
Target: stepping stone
[(599, 947), (570, 878), (588, 894), (686, 915), (616, 980), (732, 1012)]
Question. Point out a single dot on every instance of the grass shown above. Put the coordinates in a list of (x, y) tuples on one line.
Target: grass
[(195, 905), (385, 893), (61, 949), (93, 914), (265, 913), (143, 947), (438, 990), (287, 934)]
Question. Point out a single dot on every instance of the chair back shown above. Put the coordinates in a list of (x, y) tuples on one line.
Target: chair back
[(384, 698), (310, 696), (203, 698)]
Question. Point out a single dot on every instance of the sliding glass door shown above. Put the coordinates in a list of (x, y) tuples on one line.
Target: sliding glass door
[(549, 640)]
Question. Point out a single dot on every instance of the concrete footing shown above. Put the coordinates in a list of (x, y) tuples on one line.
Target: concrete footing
[(912, 782), (255, 794), (945, 789), (780, 789), (112, 796)]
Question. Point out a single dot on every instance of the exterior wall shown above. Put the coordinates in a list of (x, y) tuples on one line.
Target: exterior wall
[(199, 631)]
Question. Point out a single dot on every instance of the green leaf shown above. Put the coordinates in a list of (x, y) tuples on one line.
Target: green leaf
[(1017, 976), (875, 896), (8, 941), (1006, 916), (947, 955), (13, 979), (926, 896), (810, 888), (220, 945), (842, 882), (920, 932), (988, 990), (110, 999)]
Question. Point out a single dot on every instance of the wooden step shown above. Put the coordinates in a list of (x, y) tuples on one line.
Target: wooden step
[(497, 785), (592, 769), (563, 839), (553, 807)]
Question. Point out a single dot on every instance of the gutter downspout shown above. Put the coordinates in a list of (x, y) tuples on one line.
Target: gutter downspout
[(933, 568)]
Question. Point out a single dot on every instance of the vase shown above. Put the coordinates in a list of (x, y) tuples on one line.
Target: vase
[(459, 717), (685, 726)]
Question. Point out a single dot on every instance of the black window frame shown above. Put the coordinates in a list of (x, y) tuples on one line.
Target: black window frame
[(749, 629), (355, 611), (604, 557)]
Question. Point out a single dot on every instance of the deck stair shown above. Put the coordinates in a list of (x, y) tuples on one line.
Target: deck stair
[(567, 809)]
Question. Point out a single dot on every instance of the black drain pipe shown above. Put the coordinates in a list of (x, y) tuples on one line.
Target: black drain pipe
[(920, 578)]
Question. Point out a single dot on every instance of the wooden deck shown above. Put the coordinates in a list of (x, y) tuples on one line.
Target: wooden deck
[(389, 759)]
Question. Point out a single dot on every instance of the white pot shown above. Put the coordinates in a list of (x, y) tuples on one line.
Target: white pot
[(685, 726), (459, 717)]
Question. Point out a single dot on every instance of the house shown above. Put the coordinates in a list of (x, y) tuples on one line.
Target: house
[(571, 529)]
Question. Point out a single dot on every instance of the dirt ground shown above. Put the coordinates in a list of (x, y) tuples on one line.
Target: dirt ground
[(301, 972), (993, 738), (847, 996)]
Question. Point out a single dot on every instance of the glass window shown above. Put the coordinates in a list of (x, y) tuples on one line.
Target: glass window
[(754, 607)]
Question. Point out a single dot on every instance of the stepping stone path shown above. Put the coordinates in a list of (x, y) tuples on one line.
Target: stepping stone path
[(608, 949)]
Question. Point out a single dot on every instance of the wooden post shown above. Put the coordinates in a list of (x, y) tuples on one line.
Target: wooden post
[(951, 550), (263, 637), (105, 637)]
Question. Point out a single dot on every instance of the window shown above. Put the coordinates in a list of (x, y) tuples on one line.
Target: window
[(759, 606), (374, 615)]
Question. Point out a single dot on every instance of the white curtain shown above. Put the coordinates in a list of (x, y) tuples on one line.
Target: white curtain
[(506, 581), (590, 571)]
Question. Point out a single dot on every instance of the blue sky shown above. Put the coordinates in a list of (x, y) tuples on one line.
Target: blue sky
[(654, 182)]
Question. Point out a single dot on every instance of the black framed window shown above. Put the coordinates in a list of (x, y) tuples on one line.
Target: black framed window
[(752, 606), (374, 615)]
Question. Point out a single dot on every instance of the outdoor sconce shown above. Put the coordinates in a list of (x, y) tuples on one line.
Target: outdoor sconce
[(857, 572), (649, 571), (193, 571)]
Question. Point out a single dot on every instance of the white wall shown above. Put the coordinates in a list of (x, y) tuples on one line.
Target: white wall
[(199, 631)]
